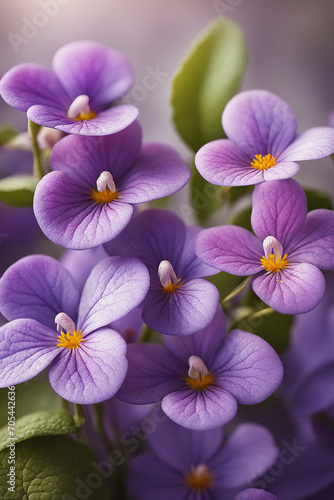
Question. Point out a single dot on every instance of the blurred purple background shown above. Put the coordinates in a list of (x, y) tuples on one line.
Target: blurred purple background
[(290, 45)]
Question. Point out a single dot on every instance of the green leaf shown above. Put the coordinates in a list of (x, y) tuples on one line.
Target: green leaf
[(53, 468), (205, 197), (317, 199), (208, 78), (7, 132), (18, 190), (40, 423)]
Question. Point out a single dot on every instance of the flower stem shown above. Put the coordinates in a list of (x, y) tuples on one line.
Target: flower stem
[(145, 335), (33, 130), (236, 291)]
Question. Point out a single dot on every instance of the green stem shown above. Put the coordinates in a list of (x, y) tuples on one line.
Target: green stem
[(249, 317), (79, 419), (145, 336), (65, 405), (236, 291), (33, 130)]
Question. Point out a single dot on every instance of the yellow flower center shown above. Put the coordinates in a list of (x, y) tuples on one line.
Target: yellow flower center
[(272, 265), (70, 340), (201, 382), (200, 478), (105, 196), (172, 287), (82, 116), (263, 162)]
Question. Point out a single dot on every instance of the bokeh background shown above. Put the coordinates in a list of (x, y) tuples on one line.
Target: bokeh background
[(291, 47)]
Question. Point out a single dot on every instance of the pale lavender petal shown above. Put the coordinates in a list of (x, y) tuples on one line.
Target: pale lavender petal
[(192, 267), (158, 171), (205, 343), (254, 494), (38, 287), (312, 144), (85, 158), (200, 410), (26, 348), (247, 367), (70, 218), (90, 68), (315, 242), (259, 122), (182, 448), (129, 326), (150, 479), (279, 210), (183, 312), (153, 372), (80, 263), (28, 84), (107, 122), (115, 287), (152, 235), (298, 290), (232, 249), (247, 454), (92, 372)]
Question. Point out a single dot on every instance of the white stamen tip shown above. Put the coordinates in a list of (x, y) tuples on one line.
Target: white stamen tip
[(104, 181), (272, 246), (64, 322), (166, 273), (79, 105), (202, 471), (196, 367)]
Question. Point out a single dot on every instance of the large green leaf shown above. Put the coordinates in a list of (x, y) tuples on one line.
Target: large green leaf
[(208, 78), (39, 423), (53, 468), (18, 190)]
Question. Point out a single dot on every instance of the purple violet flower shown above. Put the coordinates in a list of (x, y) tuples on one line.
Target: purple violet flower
[(262, 144), (87, 199), (287, 252), (201, 378), (178, 302), (192, 465), (75, 98), (87, 359)]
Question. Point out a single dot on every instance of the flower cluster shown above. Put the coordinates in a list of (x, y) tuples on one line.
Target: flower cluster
[(140, 311)]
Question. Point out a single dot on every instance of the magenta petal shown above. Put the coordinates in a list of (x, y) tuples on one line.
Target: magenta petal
[(90, 68), (312, 144), (94, 371), (232, 249), (200, 410), (38, 287), (247, 454), (150, 479), (26, 348), (315, 242), (187, 448), (299, 289), (153, 372), (107, 122), (183, 312), (28, 84), (114, 287), (248, 367), (70, 218), (279, 210), (259, 122), (159, 171)]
